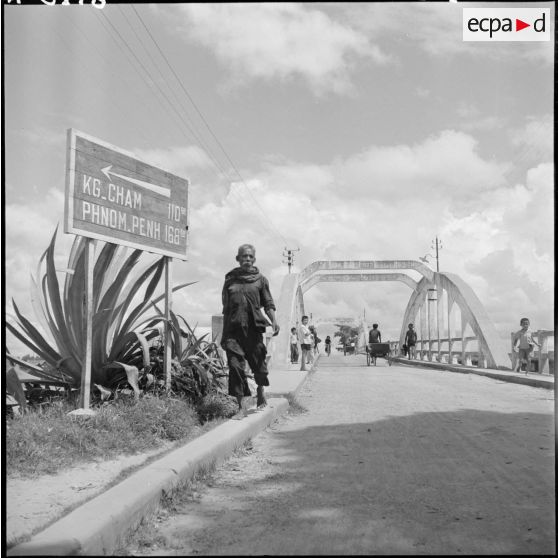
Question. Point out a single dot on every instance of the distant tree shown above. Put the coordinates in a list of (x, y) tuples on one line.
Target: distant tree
[(346, 333)]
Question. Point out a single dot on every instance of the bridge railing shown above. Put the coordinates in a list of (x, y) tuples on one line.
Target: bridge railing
[(541, 360)]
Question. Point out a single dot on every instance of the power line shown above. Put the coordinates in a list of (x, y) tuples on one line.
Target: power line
[(149, 76), (205, 121), (194, 134), (148, 79), (102, 57), (190, 124)]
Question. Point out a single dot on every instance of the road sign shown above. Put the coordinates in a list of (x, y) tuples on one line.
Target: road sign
[(112, 196)]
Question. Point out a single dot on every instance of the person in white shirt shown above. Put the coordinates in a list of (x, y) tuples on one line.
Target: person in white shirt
[(306, 342)]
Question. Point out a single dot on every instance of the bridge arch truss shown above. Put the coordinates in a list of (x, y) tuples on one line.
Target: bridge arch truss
[(436, 302)]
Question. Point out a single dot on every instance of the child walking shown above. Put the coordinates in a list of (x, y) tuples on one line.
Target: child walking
[(522, 344)]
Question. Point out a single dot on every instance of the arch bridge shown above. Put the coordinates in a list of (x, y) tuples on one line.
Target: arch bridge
[(448, 316)]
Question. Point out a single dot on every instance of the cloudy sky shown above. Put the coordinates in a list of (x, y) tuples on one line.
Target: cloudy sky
[(350, 131)]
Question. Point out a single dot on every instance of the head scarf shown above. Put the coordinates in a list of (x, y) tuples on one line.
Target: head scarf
[(240, 275)]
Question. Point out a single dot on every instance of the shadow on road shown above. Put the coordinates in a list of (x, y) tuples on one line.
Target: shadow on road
[(451, 482)]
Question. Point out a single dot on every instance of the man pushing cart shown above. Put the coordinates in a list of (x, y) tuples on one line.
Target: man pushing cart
[(376, 348)]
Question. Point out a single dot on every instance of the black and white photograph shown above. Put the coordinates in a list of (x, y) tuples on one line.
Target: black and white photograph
[(278, 278)]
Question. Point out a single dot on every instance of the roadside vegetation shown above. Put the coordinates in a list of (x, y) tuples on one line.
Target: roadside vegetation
[(136, 409), (47, 441)]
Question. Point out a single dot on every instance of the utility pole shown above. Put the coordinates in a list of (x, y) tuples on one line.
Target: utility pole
[(290, 256), (438, 247)]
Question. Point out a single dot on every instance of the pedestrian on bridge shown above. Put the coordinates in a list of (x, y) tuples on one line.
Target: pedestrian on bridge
[(245, 293), (316, 339), (523, 344), (306, 343), (328, 345), (374, 336), (411, 341), (294, 345)]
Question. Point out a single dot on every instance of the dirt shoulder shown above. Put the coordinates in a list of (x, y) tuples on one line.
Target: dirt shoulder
[(34, 503)]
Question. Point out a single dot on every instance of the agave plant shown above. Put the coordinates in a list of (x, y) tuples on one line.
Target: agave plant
[(122, 327), (197, 367)]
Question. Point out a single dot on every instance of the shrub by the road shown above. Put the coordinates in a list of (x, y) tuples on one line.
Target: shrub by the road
[(48, 440)]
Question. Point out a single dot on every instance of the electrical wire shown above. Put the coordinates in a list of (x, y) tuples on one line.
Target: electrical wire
[(152, 81), (208, 127), (234, 193), (97, 52), (191, 125)]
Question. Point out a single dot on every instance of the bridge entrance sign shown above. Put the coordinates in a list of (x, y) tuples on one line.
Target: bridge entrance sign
[(112, 196)]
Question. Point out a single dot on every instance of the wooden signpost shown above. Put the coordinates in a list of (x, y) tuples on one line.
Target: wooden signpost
[(115, 197)]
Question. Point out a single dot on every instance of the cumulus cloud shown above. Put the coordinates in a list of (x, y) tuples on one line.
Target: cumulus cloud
[(535, 138), (437, 29), (444, 164), (387, 202), (192, 163), (280, 41), (345, 211), (28, 230), (44, 137), (180, 159), (389, 179), (511, 293), (422, 92), (433, 27), (504, 249), (473, 119)]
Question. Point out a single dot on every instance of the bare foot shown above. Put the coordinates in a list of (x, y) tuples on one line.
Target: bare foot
[(261, 401), (242, 408)]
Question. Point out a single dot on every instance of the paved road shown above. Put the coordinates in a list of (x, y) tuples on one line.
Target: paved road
[(386, 460)]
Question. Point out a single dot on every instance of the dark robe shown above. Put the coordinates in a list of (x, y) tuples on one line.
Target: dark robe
[(244, 294)]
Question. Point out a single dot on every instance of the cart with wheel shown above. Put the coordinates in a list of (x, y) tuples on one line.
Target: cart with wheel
[(375, 350)]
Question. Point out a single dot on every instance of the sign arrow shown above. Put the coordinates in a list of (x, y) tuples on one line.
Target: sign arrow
[(519, 25), (142, 184)]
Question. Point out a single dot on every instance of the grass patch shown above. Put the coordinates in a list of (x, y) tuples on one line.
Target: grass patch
[(48, 440), (189, 490)]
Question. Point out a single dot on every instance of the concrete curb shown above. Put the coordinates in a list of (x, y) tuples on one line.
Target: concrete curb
[(513, 377), (307, 376), (101, 524)]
